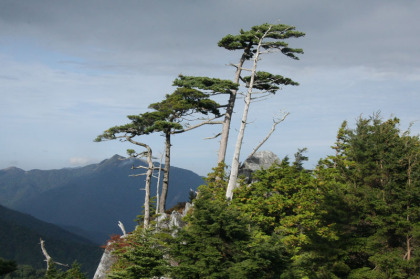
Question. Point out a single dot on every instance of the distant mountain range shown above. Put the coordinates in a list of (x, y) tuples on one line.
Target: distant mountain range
[(88, 201), (20, 241)]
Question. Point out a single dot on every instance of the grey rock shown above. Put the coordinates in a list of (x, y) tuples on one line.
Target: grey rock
[(260, 160), (105, 264), (164, 221)]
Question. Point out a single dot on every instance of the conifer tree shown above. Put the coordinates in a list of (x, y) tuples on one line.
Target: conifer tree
[(259, 40), (220, 242), (139, 255), (379, 174), (167, 117), (174, 109), (248, 42), (139, 126), (7, 266)]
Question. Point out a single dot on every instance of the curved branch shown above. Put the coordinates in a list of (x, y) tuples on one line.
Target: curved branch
[(275, 122), (209, 122)]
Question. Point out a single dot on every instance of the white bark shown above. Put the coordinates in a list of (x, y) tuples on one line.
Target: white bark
[(121, 225), (165, 183), (44, 251), (229, 111), (235, 161), (149, 174), (158, 184), (48, 259)]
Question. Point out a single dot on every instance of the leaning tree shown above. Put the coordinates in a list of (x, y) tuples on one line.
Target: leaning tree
[(251, 42), (261, 39), (140, 125), (168, 117), (176, 111)]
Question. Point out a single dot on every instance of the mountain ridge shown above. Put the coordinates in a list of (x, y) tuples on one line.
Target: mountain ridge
[(20, 241), (90, 199)]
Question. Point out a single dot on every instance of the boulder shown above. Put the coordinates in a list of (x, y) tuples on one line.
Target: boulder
[(260, 160)]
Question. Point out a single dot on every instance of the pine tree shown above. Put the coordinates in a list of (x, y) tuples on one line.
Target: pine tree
[(7, 266), (378, 166), (140, 255), (220, 242), (248, 42), (262, 39)]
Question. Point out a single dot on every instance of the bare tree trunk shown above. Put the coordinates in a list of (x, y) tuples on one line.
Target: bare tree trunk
[(229, 111), (44, 251), (235, 161), (165, 183), (124, 232), (48, 259), (158, 185), (149, 174)]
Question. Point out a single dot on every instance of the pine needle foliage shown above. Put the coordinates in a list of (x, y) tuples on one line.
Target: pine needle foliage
[(140, 255)]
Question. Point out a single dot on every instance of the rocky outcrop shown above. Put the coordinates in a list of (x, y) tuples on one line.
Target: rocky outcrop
[(105, 264), (164, 221), (260, 160)]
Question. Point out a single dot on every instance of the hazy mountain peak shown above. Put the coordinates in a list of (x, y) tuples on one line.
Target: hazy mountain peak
[(13, 169)]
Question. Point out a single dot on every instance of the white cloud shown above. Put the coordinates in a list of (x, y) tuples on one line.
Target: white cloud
[(79, 161)]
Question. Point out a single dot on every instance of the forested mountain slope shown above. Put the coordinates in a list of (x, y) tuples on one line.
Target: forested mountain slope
[(90, 200), (20, 241)]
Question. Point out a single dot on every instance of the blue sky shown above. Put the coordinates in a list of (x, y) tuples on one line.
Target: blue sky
[(72, 69)]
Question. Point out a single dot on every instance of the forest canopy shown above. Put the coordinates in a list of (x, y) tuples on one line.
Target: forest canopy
[(356, 215)]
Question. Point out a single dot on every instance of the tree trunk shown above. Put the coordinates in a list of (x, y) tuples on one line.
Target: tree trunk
[(149, 174), (235, 161), (229, 111), (158, 184), (165, 183)]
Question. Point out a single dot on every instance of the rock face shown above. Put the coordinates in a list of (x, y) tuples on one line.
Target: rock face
[(105, 264), (165, 221), (260, 160)]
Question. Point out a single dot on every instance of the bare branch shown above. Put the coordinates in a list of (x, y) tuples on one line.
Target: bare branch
[(48, 259), (135, 175), (275, 123), (242, 68), (44, 251), (210, 122), (139, 167), (121, 225), (213, 137)]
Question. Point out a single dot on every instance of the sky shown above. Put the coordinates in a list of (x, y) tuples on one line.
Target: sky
[(72, 69)]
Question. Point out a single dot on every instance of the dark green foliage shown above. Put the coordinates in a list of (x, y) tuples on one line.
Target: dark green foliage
[(220, 242), (140, 255), (286, 202), (166, 116), (74, 272), (25, 272), (212, 86), (268, 82), (19, 241), (248, 40), (7, 266), (357, 215), (376, 174), (185, 101)]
